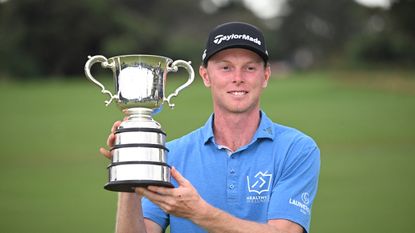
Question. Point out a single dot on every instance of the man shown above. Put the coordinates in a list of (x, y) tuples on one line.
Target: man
[(240, 172)]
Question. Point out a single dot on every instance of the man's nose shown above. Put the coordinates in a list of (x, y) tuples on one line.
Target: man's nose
[(238, 76)]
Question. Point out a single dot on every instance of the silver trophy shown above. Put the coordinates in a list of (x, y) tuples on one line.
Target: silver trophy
[(139, 155)]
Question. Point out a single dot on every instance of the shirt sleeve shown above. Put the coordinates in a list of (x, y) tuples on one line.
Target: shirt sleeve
[(294, 192), (154, 213)]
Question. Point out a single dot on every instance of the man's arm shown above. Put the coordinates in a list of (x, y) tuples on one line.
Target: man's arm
[(185, 202), (129, 212), (130, 216)]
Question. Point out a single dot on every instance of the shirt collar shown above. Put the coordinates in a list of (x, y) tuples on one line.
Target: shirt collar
[(265, 129), (207, 129)]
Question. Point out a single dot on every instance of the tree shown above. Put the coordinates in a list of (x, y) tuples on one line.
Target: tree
[(313, 31)]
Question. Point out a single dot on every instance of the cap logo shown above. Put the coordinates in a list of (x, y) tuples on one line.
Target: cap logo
[(220, 38)]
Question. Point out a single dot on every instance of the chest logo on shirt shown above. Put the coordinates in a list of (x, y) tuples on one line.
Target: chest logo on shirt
[(260, 183)]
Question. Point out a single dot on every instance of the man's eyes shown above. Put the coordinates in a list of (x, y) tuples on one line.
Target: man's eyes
[(251, 68), (247, 68)]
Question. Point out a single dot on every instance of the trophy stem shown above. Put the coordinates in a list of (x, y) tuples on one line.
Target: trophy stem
[(142, 113)]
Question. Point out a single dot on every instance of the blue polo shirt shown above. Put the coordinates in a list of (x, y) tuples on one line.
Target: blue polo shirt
[(275, 176)]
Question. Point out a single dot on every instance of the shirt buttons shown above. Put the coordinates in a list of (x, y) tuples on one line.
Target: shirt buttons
[(232, 172), (231, 186)]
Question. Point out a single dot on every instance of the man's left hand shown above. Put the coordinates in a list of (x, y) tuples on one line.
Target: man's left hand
[(183, 201)]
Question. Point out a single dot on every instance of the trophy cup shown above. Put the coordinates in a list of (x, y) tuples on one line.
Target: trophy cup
[(139, 154)]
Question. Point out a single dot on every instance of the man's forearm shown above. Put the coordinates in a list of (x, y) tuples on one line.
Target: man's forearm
[(129, 214), (217, 221)]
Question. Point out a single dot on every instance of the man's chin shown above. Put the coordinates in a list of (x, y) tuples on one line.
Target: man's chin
[(240, 109)]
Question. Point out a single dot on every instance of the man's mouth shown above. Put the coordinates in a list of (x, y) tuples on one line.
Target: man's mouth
[(238, 93)]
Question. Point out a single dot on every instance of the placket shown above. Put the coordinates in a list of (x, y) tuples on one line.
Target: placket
[(232, 176)]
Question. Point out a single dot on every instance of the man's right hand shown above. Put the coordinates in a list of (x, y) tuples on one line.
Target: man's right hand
[(110, 140)]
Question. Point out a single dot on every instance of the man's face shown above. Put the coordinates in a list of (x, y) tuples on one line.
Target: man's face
[(236, 78)]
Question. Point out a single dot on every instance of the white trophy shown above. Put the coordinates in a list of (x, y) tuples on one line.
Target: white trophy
[(139, 154)]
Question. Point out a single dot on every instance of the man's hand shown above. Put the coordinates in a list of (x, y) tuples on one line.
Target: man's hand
[(110, 140), (183, 201)]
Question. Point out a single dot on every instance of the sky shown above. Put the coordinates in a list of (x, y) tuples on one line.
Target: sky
[(375, 3), (266, 9)]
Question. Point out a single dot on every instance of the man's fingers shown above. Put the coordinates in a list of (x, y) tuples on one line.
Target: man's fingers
[(111, 140), (178, 177), (161, 190), (152, 196), (111, 137), (105, 152), (115, 126), (139, 190)]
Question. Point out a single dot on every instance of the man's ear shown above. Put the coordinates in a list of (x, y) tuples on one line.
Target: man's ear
[(204, 74), (267, 74)]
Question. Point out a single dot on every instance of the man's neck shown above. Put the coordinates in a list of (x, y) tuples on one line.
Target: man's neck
[(235, 130)]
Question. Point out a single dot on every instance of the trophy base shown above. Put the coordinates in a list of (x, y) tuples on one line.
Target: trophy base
[(129, 185), (125, 176)]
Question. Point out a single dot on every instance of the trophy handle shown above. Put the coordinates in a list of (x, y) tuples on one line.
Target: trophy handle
[(174, 67), (104, 64)]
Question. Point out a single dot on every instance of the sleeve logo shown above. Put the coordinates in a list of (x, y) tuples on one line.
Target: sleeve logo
[(303, 204)]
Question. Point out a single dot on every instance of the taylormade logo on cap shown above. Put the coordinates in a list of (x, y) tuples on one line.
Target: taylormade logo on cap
[(219, 38)]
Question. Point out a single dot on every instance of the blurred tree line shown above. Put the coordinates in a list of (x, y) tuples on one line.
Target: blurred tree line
[(53, 38)]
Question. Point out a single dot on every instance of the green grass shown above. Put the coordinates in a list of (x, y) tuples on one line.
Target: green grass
[(52, 174)]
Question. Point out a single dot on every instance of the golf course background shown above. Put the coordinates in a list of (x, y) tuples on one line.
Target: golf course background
[(52, 175)]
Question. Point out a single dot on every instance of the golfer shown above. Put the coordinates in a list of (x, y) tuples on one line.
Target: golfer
[(240, 172)]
